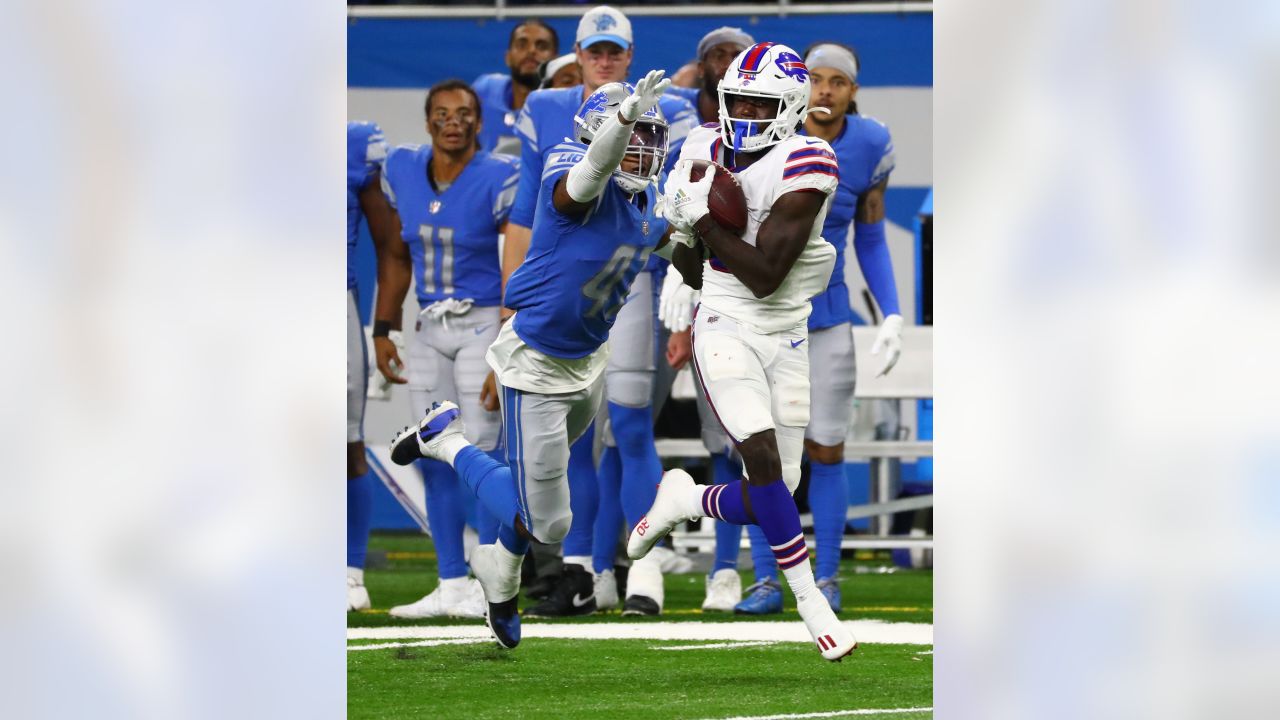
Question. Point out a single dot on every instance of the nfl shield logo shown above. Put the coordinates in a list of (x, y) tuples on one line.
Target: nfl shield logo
[(434, 207), (509, 119), (644, 227)]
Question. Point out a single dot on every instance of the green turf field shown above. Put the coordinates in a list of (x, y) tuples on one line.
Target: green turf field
[(605, 678)]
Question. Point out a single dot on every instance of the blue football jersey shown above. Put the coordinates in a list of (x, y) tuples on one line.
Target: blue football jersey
[(452, 235), (498, 129), (579, 270), (864, 151), (366, 149), (547, 120)]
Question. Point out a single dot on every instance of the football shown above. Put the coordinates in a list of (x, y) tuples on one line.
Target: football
[(727, 202)]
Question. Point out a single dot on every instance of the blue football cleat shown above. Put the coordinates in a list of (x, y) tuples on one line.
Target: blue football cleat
[(499, 574), (830, 589), (425, 439), (763, 598)]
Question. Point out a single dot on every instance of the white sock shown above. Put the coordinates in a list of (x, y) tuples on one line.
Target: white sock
[(800, 578), (452, 445), (583, 561), (454, 584), (356, 574)]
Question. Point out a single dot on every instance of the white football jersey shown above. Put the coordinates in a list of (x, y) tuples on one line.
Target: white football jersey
[(797, 163)]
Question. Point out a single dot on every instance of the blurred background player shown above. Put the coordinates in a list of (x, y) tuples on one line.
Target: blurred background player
[(864, 151), (561, 72), (604, 49), (452, 202), (532, 43), (593, 232), (716, 50), (366, 150), (750, 334)]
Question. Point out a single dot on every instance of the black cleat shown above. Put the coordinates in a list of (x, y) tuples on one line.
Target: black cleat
[(573, 595), (640, 605)]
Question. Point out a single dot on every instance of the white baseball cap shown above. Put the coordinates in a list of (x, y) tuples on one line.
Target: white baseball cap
[(603, 23)]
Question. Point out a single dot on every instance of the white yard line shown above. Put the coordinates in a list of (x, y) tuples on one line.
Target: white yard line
[(835, 713), (867, 631), (420, 643), (714, 646)]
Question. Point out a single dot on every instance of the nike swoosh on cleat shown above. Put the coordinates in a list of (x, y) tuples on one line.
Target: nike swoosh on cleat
[(796, 343), (579, 601)]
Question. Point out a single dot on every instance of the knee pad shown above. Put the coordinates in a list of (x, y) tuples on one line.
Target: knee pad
[(554, 529), (630, 388)]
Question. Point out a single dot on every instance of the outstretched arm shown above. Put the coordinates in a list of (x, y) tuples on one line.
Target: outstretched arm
[(585, 181)]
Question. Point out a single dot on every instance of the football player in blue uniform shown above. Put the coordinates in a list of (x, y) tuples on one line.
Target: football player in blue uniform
[(594, 230), (604, 48), (864, 150), (502, 95), (452, 202), (716, 50), (366, 150), (561, 72)]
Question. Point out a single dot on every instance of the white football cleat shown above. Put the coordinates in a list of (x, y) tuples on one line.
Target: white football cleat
[(671, 562), (678, 500), (724, 590), (498, 571), (832, 637), (606, 590), (357, 595), (462, 599), (443, 420)]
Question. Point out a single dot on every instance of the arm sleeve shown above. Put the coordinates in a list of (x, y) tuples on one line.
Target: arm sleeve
[(877, 266), (526, 198), (588, 177)]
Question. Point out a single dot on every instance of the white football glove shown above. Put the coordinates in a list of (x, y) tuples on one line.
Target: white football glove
[(676, 303), (687, 204), (888, 339), (648, 91)]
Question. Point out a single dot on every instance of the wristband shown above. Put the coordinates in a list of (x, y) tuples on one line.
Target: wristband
[(381, 328)]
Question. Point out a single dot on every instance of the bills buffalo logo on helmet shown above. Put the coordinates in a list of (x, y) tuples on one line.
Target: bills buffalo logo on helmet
[(793, 66)]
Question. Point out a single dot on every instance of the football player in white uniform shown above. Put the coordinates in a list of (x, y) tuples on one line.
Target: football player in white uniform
[(750, 331)]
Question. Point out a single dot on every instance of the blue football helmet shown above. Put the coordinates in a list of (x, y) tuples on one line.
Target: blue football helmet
[(648, 143)]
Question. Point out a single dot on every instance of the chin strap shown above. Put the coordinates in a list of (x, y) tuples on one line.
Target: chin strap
[(805, 115)]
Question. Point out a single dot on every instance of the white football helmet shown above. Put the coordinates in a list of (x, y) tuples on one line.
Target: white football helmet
[(648, 141), (766, 70)]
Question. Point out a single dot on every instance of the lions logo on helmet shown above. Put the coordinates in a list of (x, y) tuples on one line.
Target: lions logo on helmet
[(648, 143), (764, 70)]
